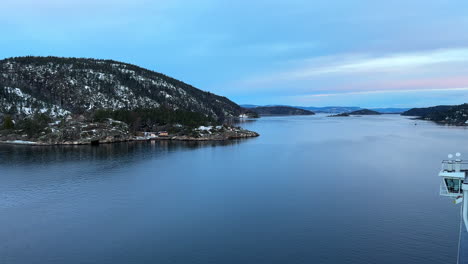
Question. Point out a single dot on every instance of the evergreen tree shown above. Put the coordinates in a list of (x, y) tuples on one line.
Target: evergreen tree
[(8, 123)]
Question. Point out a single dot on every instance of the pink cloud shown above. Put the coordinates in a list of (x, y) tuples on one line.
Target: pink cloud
[(442, 82), (439, 82)]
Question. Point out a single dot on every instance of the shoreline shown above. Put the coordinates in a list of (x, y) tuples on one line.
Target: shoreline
[(441, 123), (78, 132), (218, 138)]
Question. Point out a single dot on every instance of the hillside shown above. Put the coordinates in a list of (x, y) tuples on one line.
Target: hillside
[(51, 101), (60, 86), (280, 110), (421, 112), (445, 114)]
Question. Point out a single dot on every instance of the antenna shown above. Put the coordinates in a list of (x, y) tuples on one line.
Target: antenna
[(450, 156), (458, 154)]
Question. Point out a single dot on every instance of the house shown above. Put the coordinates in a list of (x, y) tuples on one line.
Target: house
[(146, 135), (151, 134), (163, 134)]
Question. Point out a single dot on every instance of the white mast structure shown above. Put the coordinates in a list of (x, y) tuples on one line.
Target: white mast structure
[(454, 184)]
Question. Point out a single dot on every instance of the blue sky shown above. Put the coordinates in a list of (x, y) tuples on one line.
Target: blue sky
[(369, 53)]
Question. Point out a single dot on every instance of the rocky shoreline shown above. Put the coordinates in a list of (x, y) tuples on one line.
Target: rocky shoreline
[(340, 115), (216, 137), (76, 132)]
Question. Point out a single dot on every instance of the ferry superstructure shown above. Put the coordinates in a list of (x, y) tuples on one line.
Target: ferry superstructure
[(454, 184)]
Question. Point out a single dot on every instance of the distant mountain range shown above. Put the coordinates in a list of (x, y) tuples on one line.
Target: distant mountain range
[(443, 114), (390, 110), (330, 109), (339, 109), (280, 110)]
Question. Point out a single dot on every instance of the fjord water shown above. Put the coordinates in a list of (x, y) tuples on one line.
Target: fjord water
[(309, 190)]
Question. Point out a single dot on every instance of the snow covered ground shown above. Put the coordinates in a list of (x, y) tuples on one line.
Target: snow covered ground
[(21, 142)]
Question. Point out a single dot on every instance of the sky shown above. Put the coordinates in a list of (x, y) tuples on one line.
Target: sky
[(368, 53)]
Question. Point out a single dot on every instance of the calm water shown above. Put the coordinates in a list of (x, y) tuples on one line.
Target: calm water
[(309, 190)]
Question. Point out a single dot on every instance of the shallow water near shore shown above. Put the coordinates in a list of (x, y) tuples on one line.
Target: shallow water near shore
[(310, 189)]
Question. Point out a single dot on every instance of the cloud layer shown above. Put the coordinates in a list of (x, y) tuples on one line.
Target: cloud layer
[(399, 70), (265, 52)]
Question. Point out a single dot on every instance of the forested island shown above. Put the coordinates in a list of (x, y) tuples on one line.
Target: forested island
[(357, 113), (364, 112)]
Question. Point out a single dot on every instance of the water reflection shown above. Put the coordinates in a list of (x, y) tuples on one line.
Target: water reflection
[(307, 188), (128, 151)]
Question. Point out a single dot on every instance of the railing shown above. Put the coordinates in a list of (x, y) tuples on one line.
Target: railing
[(452, 165), (443, 190)]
